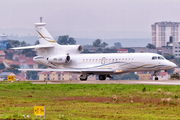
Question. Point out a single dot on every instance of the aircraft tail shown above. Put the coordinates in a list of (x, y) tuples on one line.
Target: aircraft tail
[(43, 35)]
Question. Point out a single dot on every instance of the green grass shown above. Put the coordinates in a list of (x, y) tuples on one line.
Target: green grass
[(90, 101)]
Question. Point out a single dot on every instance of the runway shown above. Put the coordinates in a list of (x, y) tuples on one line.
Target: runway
[(149, 82)]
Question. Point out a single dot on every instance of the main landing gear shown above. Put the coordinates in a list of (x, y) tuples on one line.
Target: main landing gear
[(156, 78), (83, 77)]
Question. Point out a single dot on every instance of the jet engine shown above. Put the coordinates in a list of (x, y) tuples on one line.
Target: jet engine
[(61, 59)]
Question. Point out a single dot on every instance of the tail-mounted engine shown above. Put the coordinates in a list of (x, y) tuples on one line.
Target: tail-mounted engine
[(61, 59)]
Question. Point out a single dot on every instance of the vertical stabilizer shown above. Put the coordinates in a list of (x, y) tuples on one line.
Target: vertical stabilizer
[(43, 35)]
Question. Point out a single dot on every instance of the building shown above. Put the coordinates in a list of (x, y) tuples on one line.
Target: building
[(163, 76), (3, 41), (55, 76), (144, 50), (144, 76), (122, 51), (164, 32)]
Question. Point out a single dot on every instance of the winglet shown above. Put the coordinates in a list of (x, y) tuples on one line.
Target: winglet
[(8, 66)]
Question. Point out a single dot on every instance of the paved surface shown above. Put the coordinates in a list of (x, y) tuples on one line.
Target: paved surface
[(151, 82)]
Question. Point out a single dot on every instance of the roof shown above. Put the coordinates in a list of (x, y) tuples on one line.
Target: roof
[(6, 73), (163, 73)]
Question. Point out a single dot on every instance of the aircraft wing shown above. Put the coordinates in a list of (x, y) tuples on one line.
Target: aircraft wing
[(63, 70), (69, 70), (33, 47)]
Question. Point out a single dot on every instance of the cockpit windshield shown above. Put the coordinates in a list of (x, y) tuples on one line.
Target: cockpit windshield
[(158, 57)]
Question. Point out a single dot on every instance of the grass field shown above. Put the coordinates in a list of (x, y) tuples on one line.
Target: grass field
[(90, 101)]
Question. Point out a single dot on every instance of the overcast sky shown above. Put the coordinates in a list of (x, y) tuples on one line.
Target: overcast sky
[(88, 18)]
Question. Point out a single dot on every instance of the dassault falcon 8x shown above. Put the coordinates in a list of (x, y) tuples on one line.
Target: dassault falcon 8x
[(70, 59)]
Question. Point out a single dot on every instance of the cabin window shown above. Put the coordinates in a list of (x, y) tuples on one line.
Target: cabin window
[(89, 60), (154, 58), (119, 60), (99, 60), (93, 60), (112, 60), (96, 60), (109, 60), (106, 60), (116, 60), (123, 59), (86, 60), (132, 59)]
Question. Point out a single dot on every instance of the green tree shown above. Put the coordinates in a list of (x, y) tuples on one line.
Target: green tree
[(104, 44), (37, 42), (130, 76), (23, 43), (151, 46), (97, 43), (168, 56), (71, 41), (32, 75), (8, 46), (29, 52), (65, 40)]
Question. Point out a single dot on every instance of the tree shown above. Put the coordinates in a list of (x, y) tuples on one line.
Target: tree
[(97, 43), (71, 41), (168, 56), (8, 46), (29, 52), (23, 43), (110, 50), (37, 42), (130, 76), (104, 44), (118, 45), (150, 46), (65, 40), (33, 75)]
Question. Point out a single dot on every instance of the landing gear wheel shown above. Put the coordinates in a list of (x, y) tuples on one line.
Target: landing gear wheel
[(83, 79), (156, 78), (102, 77)]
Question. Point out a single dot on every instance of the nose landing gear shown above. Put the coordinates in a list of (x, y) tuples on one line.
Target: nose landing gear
[(156, 78)]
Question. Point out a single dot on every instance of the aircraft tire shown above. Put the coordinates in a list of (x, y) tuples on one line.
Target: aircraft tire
[(156, 78), (83, 79)]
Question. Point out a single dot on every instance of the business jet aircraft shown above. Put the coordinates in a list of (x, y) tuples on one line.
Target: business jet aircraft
[(69, 58)]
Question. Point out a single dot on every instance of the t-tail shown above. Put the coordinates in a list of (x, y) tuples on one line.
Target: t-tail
[(43, 35)]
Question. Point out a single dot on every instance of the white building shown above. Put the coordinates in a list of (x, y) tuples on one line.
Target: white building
[(163, 32)]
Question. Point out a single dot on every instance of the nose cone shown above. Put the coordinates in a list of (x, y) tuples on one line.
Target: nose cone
[(174, 65)]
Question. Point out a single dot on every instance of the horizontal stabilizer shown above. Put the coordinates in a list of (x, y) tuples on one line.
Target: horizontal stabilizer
[(8, 66), (34, 47)]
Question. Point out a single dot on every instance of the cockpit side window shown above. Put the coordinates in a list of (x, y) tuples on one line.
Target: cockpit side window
[(154, 58), (160, 58)]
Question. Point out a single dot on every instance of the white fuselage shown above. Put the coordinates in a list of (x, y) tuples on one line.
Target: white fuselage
[(118, 62)]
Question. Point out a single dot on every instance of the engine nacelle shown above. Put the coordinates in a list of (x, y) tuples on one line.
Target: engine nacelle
[(61, 59)]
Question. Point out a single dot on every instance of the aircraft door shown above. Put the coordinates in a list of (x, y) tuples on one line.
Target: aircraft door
[(103, 61)]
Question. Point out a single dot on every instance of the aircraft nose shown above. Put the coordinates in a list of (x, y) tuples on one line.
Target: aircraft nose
[(173, 65)]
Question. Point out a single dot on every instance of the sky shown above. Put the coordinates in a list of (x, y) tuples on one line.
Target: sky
[(104, 19)]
